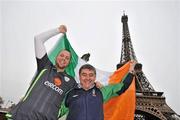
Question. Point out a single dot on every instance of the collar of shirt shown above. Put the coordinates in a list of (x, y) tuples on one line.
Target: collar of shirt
[(80, 86), (54, 68)]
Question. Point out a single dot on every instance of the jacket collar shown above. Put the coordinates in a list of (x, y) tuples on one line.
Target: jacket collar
[(79, 86)]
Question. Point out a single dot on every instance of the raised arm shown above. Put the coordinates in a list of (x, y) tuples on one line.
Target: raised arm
[(40, 39)]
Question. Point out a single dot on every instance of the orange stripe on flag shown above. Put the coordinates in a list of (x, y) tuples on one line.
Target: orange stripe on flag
[(123, 106)]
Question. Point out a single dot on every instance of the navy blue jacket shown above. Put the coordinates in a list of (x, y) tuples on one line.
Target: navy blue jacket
[(85, 105)]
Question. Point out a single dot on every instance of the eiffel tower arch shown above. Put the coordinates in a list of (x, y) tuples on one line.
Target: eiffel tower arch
[(150, 104)]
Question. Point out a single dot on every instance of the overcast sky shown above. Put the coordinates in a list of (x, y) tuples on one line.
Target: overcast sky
[(93, 27)]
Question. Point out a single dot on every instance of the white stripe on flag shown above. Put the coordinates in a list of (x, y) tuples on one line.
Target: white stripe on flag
[(101, 76)]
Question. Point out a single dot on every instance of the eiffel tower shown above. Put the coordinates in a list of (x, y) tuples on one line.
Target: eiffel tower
[(150, 104)]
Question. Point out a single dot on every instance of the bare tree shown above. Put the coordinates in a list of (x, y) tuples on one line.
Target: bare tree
[(1, 101)]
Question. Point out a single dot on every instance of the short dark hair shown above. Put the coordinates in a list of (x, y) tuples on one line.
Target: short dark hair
[(87, 66)]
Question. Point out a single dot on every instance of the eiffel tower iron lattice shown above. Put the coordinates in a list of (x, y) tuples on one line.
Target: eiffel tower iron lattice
[(150, 104)]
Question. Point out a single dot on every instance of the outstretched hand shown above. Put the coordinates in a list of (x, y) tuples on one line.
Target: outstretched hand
[(62, 29), (132, 65), (98, 84)]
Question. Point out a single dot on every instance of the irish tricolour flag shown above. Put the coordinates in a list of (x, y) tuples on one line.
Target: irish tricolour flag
[(76, 62), (118, 108)]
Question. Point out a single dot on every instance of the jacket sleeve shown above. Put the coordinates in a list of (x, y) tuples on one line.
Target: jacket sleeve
[(40, 39), (113, 90)]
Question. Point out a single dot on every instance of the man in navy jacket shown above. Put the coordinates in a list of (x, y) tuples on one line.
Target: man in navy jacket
[(85, 101)]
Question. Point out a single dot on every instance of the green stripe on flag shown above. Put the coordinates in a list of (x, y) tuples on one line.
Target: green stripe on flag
[(63, 44), (8, 116)]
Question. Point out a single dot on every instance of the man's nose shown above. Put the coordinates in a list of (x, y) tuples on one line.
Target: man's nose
[(88, 77), (63, 59)]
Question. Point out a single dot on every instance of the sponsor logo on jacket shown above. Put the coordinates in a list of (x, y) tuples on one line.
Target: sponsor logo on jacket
[(53, 87)]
